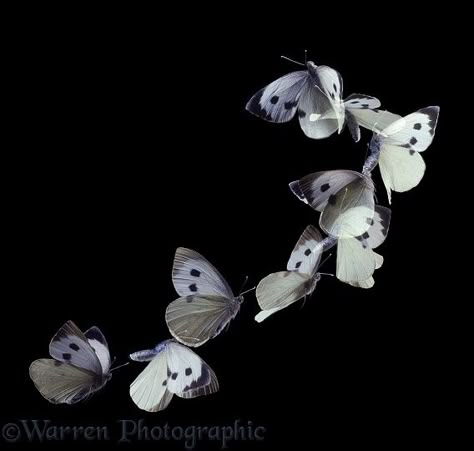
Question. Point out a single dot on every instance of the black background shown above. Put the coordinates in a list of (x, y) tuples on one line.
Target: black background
[(125, 147)]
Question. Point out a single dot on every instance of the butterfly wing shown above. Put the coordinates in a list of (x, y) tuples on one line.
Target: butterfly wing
[(355, 261), (401, 165), (362, 110), (62, 383), (306, 255), (193, 320), (70, 345), (314, 113), (100, 346), (278, 101), (149, 390), (349, 212), (315, 189), (194, 275), (188, 375), (281, 289)]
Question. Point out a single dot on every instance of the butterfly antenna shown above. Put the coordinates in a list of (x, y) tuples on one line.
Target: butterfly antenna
[(305, 56), (324, 261), (120, 366), (247, 291), (243, 285), (293, 61)]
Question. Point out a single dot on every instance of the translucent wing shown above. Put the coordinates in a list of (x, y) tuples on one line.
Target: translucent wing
[(281, 289), (355, 262), (349, 212), (71, 346), (149, 390), (316, 188), (193, 274), (193, 320), (316, 113), (62, 383), (401, 169), (362, 110), (278, 101)]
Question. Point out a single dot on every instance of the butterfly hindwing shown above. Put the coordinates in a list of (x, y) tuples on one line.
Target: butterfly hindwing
[(62, 383), (195, 319)]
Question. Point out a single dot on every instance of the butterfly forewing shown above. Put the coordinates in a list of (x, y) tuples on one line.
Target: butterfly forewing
[(278, 101), (193, 274), (71, 346)]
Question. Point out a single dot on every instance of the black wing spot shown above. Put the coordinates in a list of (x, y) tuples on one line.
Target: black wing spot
[(174, 376), (333, 96), (307, 252), (298, 265), (365, 236), (301, 114), (325, 187), (413, 141), (417, 126), (365, 106), (370, 221), (165, 383), (66, 356), (193, 287), (189, 299), (412, 152), (74, 347), (290, 105), (335, 87), (188, 371), (274, 100), (195, 273)]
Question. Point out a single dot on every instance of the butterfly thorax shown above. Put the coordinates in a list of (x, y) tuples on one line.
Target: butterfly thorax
[(312, 70), (310, 285), (373, 155)]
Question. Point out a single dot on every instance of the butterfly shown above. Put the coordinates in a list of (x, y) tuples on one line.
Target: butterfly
[(344, 198), (80, 365), (207, 304), (349, 216), (316, 95), (173, 370), (281, 289), (397, 149)]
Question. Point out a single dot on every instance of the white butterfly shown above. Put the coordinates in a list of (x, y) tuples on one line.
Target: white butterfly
[(316, 94), (349, 216), (173, 370), (281, 289), (80, 365), (396, 149), (344, 198), (207, 304)]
